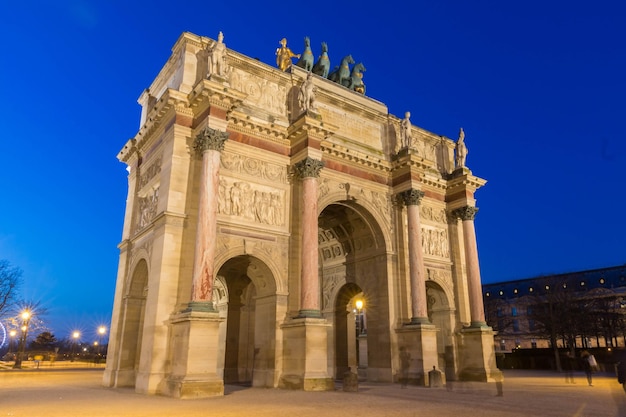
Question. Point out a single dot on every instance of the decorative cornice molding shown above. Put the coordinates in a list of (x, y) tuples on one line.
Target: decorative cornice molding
[(308, 167), (210, 140), (247, 125), (411, 197), (216, 94), (465, 213)]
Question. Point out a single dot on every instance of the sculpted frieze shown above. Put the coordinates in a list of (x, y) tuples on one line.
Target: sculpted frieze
[(261, 93), (148, 173), (242, 164), (252, 202), (433, 214)]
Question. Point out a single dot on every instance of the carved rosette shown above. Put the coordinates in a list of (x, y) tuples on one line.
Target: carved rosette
[(412, 197), (210, 140), (465, 213), (308, 168)]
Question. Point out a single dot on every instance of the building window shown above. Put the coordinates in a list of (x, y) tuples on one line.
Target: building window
[(514, 311), (533, 343), (531, 325), (502, 344), (516, 325)]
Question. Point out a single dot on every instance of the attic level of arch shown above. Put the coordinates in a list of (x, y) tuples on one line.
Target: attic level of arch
[(259, 101)]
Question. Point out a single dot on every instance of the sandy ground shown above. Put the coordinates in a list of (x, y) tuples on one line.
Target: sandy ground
[(78, 392)]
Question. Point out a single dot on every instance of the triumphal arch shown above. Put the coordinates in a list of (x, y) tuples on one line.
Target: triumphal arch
[(282, 229)]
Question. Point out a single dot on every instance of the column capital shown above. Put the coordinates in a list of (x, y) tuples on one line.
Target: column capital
[(308, 167), (210, 139), (412, 197), (465, 213)]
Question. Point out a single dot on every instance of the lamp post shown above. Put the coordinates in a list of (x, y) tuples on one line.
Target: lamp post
[(101, 331), (75, 336), (359, 307), (12, 334), (26, 316)]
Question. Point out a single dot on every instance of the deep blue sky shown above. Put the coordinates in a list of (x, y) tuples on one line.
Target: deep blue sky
[(538, 86)]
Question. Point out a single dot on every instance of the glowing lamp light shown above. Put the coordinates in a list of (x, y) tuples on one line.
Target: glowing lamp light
[(359, 304)]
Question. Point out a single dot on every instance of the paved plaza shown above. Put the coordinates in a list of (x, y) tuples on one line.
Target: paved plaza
[(78, 392)]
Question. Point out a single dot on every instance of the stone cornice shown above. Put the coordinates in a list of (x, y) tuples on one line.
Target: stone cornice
[(463, 179), (310, 126), (211, 93), (243, 123), (170, 100), (351, 156)]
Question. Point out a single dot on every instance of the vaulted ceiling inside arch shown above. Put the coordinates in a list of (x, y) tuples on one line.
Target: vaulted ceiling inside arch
[(343, 232)]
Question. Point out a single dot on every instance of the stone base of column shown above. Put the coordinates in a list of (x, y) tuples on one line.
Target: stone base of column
[(477, 357), (194, 349), (305, 361), (419, 341)]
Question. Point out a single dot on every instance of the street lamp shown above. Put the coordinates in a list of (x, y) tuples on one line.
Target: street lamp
[(101, 331), (26, 316), (359, 307), (12, 334), (75, 336)]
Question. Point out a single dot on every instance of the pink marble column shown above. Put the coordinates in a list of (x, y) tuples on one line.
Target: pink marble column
[(477, 310), (309, 170), (208, 143), (417, 271)]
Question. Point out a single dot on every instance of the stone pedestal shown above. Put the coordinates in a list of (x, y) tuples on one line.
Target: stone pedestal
[(420, 342), (305, 360), (477, 355), (194, 351)]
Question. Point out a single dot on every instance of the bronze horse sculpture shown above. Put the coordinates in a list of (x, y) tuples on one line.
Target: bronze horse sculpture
[(307, 58), (322, 66), (341, 74), (356, 78)]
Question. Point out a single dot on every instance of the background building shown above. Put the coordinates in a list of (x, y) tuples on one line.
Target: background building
[(584, 309), (282, 227)]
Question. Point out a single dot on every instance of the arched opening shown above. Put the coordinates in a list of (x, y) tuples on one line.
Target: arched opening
[(441, 314), (350, 330), (246, 297), (353, 264), (132, 327)]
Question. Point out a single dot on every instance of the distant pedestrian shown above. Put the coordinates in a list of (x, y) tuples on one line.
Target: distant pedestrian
[(589, 365), (568, 367), (621, 372)]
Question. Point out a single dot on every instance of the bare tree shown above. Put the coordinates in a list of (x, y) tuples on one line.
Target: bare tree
[(10, 280)]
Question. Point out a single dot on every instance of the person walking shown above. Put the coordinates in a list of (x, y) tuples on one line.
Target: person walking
[(589, 363)]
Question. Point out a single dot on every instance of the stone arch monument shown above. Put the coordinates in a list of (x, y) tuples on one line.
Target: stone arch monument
[(268, 242)]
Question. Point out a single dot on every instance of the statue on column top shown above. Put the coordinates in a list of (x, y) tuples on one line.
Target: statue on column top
[(405, 131), (284, 55), (217, 57), (461, 150), (306, 95)]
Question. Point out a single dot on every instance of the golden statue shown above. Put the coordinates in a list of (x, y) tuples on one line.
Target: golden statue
[(284, 55)]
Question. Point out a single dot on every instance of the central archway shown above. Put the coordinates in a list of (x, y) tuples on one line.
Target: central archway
[(353, 261)]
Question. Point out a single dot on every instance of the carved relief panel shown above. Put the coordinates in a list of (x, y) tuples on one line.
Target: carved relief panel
[(261, 92)]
